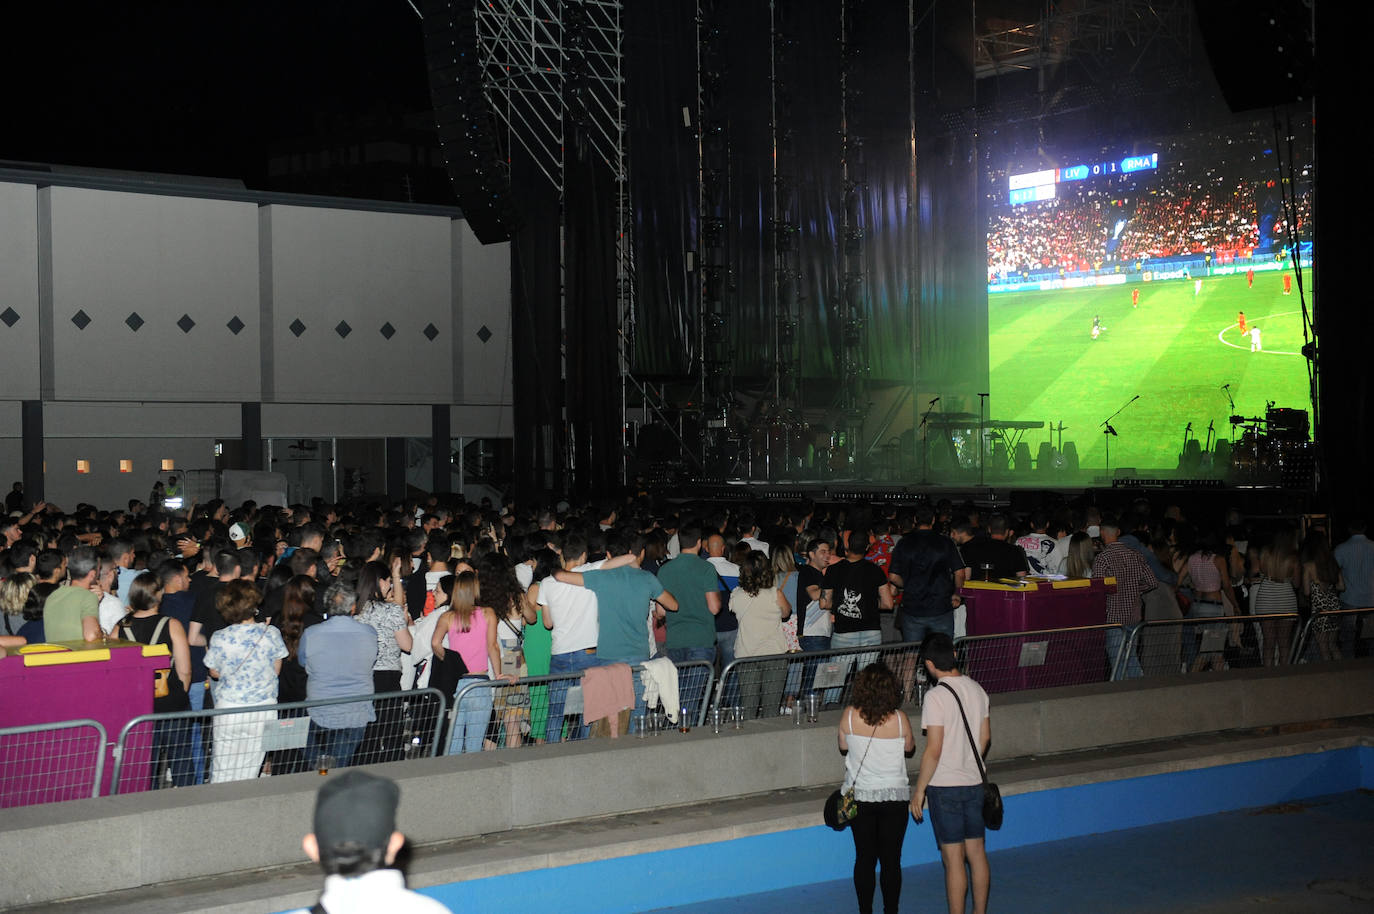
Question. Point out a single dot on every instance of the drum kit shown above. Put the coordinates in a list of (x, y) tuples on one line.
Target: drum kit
[(1265, 446)]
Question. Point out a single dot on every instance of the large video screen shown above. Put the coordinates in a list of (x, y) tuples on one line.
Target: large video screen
[(1163, 269)]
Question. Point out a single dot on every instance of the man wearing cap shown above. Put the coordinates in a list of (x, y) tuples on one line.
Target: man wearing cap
[(241, 536), (355, 841)]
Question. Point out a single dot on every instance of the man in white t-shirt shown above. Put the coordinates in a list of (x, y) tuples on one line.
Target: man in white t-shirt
[(950, 777), (1256, 345), (570, 613)]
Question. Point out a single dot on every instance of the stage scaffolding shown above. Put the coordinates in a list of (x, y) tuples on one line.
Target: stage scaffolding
[(553, 73)]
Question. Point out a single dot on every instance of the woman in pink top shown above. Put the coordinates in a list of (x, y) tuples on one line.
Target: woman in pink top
[(470, 630)]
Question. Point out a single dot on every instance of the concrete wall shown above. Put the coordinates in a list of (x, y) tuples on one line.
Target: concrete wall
[(161, 313), (123, 841)]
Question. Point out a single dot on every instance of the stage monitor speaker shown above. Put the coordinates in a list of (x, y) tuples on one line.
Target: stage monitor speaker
[(1044, 457), (1261, 50), (1021, 457), (1070, 456)]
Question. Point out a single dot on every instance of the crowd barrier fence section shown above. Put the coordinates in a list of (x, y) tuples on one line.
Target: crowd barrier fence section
[(778, 684), (185, 748), (508, 714), (1337, 635), (48, 763), (1044, 659), (1172, 647)]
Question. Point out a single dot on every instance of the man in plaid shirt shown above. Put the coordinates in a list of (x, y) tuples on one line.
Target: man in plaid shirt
[(1133, 579)]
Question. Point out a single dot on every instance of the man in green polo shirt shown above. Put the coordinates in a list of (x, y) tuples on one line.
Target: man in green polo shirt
[(72, 612), (691, 631)]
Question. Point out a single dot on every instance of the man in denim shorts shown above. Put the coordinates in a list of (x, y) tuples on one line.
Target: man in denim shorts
[(949, 776)]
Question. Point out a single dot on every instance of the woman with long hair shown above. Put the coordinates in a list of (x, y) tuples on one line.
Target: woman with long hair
[(760, 606), (1321, 580), (785, 568), (381, 600), (469, 631), (1275, 591), (875, 738), (1079, 563), (539, 644), (144, 625), (502, 592), (297, 613), (1209, 575)]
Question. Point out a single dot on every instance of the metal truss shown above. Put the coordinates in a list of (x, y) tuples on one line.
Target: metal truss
[(549, 63), (1086, 32), (553, 72)]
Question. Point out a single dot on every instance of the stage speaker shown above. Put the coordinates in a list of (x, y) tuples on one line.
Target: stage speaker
[(1044, 457), (1261, 50), (1021, 457), (1070, 457), (468, 130)]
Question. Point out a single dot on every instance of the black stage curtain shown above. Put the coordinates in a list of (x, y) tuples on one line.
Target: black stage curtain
[(593, 388), (537, 335), (660, 62), (661, 66)]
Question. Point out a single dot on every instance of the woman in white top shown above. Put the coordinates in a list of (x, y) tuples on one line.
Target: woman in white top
[(950, 777), (876, 741)]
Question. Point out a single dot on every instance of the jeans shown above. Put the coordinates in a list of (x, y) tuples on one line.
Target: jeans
[(563, 665), (761, 687), (470, 718), (197, 696), (915, 628), (339, 742), (1115, 638), (842, 640), (811, 643), (691, 682), (172, 743)]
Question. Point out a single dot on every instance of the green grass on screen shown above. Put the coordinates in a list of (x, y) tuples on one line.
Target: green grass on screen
[(1176, 350)]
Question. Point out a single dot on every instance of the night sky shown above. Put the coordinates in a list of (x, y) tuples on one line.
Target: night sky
[(195, 88)]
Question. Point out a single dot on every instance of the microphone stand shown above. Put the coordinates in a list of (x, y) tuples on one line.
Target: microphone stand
[(1110, 433), (982, 401), (925, 442)]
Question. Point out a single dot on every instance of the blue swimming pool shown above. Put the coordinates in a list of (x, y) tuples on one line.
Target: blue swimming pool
[(788, 859)]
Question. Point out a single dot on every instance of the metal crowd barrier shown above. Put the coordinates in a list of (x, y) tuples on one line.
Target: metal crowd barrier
[(778, 684), (48, 763), (1043, 659), (497, 714), (1172, 647), (183, 748), (1337, 635)]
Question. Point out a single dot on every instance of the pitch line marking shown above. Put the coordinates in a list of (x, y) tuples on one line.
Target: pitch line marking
[(1221, 338)]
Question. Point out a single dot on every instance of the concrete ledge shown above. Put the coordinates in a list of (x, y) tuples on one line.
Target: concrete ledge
[(131, 841)]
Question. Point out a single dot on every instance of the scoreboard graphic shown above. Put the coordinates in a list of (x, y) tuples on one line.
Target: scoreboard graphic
[(1042, 185)]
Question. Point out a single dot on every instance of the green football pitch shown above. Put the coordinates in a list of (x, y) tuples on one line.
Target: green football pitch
[(1175, 350)]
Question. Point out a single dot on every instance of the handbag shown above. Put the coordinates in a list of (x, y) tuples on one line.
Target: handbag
[(840, 807), (161, 678), (992, 796)]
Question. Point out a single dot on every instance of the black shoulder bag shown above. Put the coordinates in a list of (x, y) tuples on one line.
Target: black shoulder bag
[(992, 797)]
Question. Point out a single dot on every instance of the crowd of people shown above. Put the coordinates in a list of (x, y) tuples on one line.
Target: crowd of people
[(268, 604), (275, 605), (1090, 228)]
